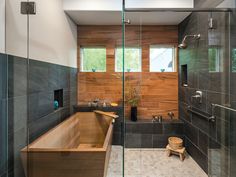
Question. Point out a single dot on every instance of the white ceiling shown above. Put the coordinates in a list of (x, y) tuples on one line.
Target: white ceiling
[(137, 18)]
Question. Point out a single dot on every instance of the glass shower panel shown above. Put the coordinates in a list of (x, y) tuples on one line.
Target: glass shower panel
[(205, 64), (14, 69), (233, 92), (3, 115), (74, 95), (219, 143)]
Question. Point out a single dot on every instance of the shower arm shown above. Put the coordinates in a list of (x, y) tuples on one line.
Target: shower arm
[(195, 36)]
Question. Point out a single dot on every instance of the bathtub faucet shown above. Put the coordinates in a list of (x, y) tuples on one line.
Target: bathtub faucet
[(95, 102), (171, 115), (157, 118)]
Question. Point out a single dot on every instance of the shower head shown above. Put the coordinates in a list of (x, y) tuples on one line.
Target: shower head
[(184, 45)]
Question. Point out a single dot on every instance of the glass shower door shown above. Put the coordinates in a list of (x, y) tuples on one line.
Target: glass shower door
[(3, 115), (74, 92), (210, 69), (13, 79)]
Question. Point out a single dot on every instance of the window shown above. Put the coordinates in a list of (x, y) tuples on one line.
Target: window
[(234, 60), (214, 59), (162, 59), (93, 59), (133, 62)]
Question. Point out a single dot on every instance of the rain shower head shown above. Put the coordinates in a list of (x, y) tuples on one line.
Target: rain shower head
[(184, 45)]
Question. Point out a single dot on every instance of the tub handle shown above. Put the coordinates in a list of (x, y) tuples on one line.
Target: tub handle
[(114, 116)]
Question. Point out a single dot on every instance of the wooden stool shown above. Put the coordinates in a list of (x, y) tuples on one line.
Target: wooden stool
[(179, 152)]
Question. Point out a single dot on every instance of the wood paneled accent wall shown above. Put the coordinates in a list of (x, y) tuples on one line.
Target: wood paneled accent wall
[(159, 91)]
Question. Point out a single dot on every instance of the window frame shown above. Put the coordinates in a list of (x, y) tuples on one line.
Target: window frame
[(140, 58), (174, 57), (82, 58)]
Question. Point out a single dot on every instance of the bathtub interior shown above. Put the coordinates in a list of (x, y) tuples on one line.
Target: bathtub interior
[(82, 130)]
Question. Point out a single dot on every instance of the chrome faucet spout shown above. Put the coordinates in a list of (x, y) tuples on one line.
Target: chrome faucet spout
[(171, 115)]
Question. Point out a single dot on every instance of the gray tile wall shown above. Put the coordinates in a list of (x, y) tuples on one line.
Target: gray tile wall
[(233, 95), (3, 115), (148, 134), (206, 3), (32, 94), (205, 140)]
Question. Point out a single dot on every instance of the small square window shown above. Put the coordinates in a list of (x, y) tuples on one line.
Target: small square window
[(93, 59), (234, 60), (133, 62), (214, 59), (162, 59)]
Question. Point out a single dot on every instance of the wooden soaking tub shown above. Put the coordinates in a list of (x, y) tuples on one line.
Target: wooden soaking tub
[(78, 147)]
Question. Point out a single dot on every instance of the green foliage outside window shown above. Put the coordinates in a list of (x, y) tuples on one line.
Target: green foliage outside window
[(234, 60), (93, 59), (214, 59), (133, 61)]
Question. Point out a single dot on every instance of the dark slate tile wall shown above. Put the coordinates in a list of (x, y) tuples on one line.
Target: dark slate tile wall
[(3, 114), (33, 94), (148, 134), (44, 78), (206, 3), (204, 140), (233, 95)]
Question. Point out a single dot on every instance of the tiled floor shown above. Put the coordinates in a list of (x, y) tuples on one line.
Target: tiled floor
[(151, 163)]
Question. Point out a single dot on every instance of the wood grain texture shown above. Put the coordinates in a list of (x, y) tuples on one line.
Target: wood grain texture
[(50, 155), (159, 91)]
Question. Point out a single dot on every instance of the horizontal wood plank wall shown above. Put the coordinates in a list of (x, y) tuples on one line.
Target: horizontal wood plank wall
[(159, 91)]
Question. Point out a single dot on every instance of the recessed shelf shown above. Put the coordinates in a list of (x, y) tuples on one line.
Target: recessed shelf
[(184, 75), (58, 96)]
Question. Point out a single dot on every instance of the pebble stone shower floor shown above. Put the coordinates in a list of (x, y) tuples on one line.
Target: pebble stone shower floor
[(151, 163)]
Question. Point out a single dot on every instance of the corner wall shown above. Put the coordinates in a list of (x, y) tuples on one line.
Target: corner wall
[(206, 140), (28, 104)]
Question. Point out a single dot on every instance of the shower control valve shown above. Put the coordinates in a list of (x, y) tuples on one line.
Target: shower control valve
[(198, 96)]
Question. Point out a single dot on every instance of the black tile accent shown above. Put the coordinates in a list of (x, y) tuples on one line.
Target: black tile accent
[(142, 128), (200, 123), (53, 77), (3, 136), (64, 75), (198, 156), (17, 76), (152, 134), (206, 3), (233, 161), (160, 141), (133, 140), (157, 128), (146, 141), (223, 132), (117, 138), (37, 99), (45, 103), (173, 128), (38, 76), (191, 132), (17, 113), (184, 113), (42, 125), (203, 142), (3, 76)]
